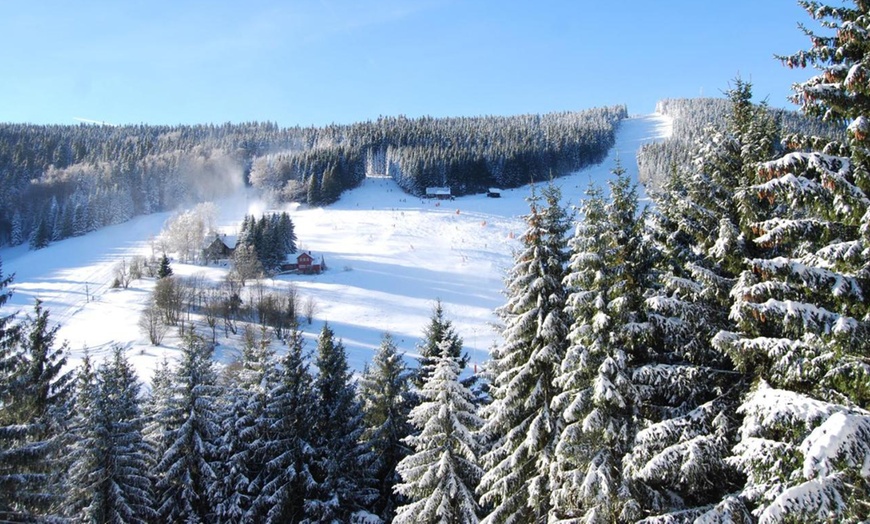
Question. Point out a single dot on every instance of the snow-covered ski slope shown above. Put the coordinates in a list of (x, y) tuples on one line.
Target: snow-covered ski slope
[(390, 256)]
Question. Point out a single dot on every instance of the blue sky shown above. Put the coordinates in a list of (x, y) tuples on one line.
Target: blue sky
[(342, 61)]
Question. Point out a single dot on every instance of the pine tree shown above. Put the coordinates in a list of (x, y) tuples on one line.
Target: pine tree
[(438, 330), (520, 422), (164, 270), (9, 336), (246, 231), (386, 402), (130, 493), (800, 304), (287, 448), (440, 477), (109, 475), (187, 469), (41, 236), (342, 486), (313, 190), (80, 219), (245, 426), (610, 337), (67, 224), (330, 188), (158, 411), (688, 389), (16, 233), (10, 364), (33, 413), (53, 220), (287, 234), (83, 448), (271, 247)]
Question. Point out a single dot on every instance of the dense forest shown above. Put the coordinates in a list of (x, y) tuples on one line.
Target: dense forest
[(706, 359), (696, 118), (62, 181)]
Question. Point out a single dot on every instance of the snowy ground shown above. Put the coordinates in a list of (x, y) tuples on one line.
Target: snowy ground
[(390, 256)]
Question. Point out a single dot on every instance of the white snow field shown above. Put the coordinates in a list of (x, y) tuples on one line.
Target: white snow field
[(389, 257)]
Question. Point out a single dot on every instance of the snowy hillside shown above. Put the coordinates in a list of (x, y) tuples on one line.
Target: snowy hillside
[(390, 256)]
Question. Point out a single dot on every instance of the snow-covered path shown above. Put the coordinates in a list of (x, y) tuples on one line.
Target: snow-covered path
[(390, 256), (67, 274)]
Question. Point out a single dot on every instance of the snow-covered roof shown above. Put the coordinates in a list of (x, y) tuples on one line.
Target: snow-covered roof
[(228, 240), (438, 190), (294, 257)]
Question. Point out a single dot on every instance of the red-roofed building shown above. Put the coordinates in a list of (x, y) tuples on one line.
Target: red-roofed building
[(305, 263)]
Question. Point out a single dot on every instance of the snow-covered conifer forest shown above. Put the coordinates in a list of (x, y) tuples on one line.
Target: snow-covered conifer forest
[(696, 349)]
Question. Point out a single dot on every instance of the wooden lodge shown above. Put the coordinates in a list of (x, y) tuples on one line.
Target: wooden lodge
[(220, 247), (440, 193), (306, 264)]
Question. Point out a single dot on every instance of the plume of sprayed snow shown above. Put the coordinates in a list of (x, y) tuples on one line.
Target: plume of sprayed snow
[(214, 175)]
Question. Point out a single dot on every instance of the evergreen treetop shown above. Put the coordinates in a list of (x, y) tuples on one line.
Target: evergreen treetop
[(438, 330), (164, 269), (520, 421), (799, 305), (343, 483), (384, 391), (440, 477), (37, 394)]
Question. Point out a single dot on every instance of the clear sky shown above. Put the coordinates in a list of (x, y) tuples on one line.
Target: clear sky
[(341, 61)]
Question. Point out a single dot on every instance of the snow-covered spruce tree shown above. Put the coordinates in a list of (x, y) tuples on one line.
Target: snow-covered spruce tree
[(440, 477), (82, 430), (688, 389), (164, 269), (438, 330), (157, 411), (16, 233), (186, 470), (245, 427), (109, 479), (286, 449), (520, 422), (33, 416), (384, 390), (9, 336), (286, 233), (704, 208), (801, 307), (342, 484), (82, 458), (41, 236), (608, 276)]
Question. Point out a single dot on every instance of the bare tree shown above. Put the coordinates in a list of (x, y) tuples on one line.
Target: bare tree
[(309, 309), (152, 323), (293, 304), (277, 315), (231, 304), (184, 233), (211, 309), (137, 267), (123, 274), (169, 299), (257, 298), (246, 264)]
